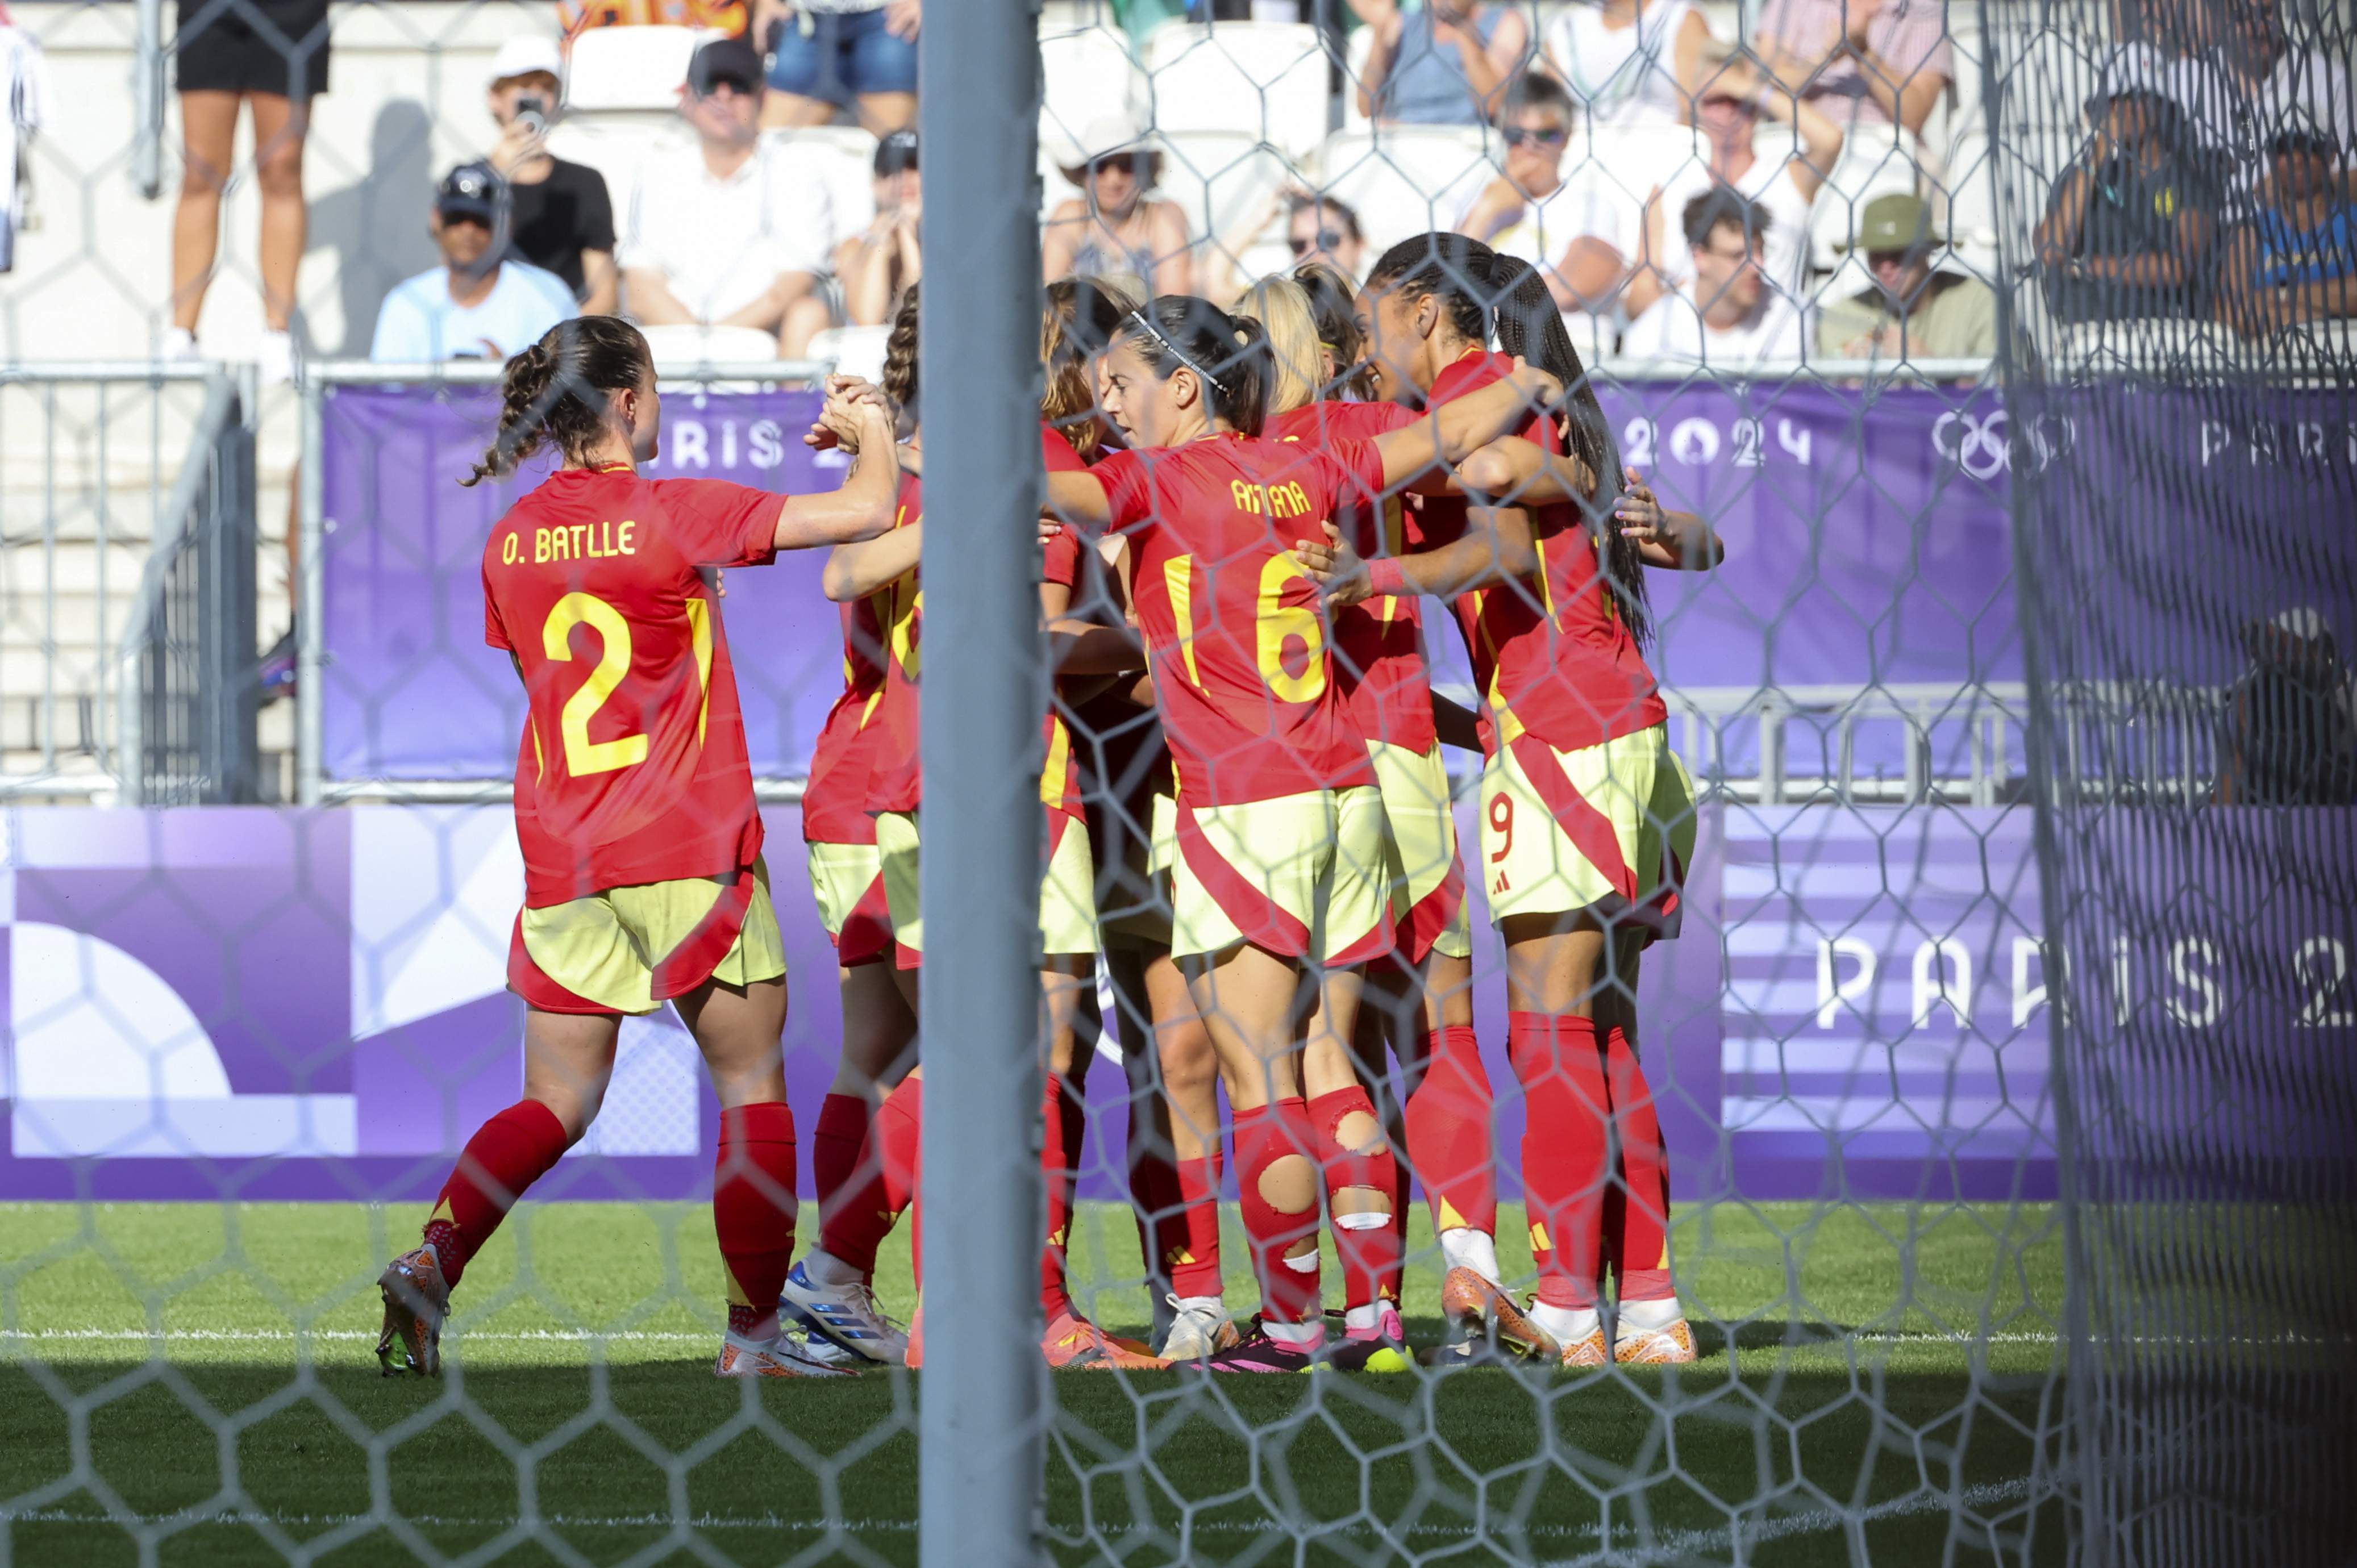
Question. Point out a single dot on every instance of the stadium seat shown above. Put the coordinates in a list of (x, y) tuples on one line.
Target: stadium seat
[(856, 350), (1875, 160), (1087, 76), (1220, 179), (1403, 180), (1354, 71), (1966, 189), (691, 345), (844, 159), (627, 69), (615, 148), (1266, 80)]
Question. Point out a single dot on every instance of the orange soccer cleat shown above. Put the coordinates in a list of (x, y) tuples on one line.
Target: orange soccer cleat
[(1478, 1307), (1588, 1352), (778, 1357), (1671, 1346), (416, 1304), (1072, 1343)]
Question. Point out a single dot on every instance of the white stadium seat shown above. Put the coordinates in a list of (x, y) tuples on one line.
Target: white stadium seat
[(1266, 80), (1220, 179), (1968, 185), (615, 148), (1087, 77), (1354, 71), (1875, 161), (1404, 181), (844, 159), (627, 69), (856, 350), (691, 345)]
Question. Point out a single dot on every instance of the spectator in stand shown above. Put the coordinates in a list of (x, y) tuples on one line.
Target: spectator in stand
[(1726, 315), (1630, 62), (1883, 61), (2296, 260), (1114, 228), (1317, 230), (722, 16), (1912, 310), (1578, 234), (1728, 115), (1444, 63), (271, 56), (732, 230), (826, 55), (883, 259), (2127, 231), (2291, 721), (480, 304), (563, 221)]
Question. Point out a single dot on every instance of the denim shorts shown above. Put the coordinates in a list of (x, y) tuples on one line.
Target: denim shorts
[(841, 55)]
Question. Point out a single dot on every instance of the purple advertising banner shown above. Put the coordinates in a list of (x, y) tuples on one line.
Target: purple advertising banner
[(1869, 545)]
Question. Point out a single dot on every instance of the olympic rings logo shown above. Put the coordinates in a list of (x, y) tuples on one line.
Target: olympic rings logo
[(1976, 445)]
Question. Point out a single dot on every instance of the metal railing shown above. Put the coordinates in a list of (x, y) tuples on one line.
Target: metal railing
[(189, 645)]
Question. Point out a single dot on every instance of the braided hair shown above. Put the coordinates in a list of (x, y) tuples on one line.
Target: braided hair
[(1486, 297), (557, 391), (900, 375)]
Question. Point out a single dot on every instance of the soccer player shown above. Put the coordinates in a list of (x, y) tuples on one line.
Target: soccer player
[(890, 564), (1421, 997), (1587, 815), (643, 879), (1280, 822)]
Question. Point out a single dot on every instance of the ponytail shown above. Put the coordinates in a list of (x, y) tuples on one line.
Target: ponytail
[(1487, 299), (556, 391), (899, 374), (1228, 354)]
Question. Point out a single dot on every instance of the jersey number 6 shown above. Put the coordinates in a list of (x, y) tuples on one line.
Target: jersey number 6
[(1275, 623)]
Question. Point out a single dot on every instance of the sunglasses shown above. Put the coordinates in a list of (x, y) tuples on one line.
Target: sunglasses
[(1324, 240), (1517, 137), (1123, 163)]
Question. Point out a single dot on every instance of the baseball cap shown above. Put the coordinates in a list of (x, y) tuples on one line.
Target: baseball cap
[(1895, 222), (732, 60), (895, 152), (470, 190), (527, 54)]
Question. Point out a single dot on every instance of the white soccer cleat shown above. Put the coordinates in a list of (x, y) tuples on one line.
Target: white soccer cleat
[(845, 1316), (1198, 1333), (774, 1358)]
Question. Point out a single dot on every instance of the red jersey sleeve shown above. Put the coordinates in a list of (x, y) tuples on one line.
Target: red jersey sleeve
[(1129, 489), (494, 633), (715, 523), (1063, 564), (1058, 453), (1356, 470)]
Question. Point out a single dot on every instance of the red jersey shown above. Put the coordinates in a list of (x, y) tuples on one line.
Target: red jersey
[(1378, 642), (632, 767), (1241, 670), (834, 800), (897, 782), (1552, 657)]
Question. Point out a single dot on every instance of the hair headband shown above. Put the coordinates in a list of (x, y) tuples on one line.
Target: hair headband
[(1176, 352)]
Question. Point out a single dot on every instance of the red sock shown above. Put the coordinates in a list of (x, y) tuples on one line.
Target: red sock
[(877, 1193), (1449, 1132), (899, 1144), (507, 1154), (1371, 1255), (1191, 1250), (838, 1145), (1562, 1073), (1263, 1137), (753, 1210), (1067, 1118), (1640, 1244)]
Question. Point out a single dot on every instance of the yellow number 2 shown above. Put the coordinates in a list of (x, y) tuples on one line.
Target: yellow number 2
[(1277, 622), (581, 755)]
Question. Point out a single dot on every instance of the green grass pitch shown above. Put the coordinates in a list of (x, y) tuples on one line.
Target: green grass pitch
[(162, 1363)]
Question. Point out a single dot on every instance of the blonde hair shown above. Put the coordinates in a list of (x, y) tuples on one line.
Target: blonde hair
[(1295, 374)]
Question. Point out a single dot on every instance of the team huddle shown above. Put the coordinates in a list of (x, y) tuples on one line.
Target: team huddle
[(1247, 812)]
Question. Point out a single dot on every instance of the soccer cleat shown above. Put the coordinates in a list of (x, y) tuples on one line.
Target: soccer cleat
[(778, 1357), (845, 1316), (416, 1303), (915, 1357), (1073, 1344), (1480, 1310), (1198, 1333), (1588, 1352), (1383, 1349), (1670, 1346), (1256, 1352)]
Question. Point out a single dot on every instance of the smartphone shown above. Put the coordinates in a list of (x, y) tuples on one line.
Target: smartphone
[(531, 113)]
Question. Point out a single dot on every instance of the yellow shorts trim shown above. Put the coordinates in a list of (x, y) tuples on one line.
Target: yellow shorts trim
[(604, 948), (1420, 843), (1631, 793), (1067, 910), (841, 875), (1303, 876)]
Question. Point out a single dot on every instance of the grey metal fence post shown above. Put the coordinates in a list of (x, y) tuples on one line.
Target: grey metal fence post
[(981, 1448)]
